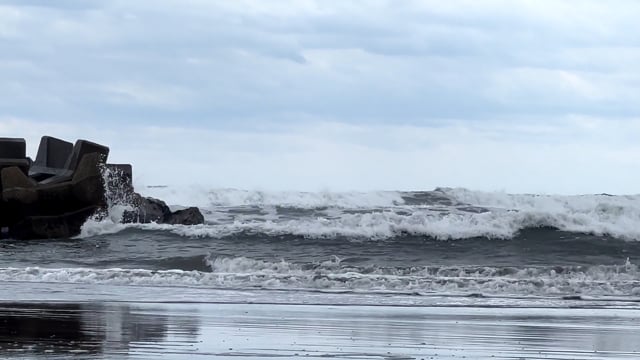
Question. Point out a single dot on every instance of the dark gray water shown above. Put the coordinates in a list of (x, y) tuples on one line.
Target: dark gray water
[(443, 242), (164, 250)]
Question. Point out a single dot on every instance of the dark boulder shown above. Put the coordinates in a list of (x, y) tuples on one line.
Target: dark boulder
[(147, 210), (153, 210), (188, 216)]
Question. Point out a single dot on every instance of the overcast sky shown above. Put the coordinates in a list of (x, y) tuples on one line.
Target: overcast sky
[(518, 96)]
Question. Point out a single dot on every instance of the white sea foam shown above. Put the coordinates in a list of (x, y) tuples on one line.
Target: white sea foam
[(331, 275), (384, 215), (386, 225), (95, 227), (617, 216)]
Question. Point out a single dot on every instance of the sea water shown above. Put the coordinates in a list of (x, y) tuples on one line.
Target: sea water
[(442, 273)]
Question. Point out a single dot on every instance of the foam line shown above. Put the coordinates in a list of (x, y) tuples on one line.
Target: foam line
[(332, 275)]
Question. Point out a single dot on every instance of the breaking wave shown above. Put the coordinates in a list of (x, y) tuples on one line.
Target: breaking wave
[(332, 275), (444, 214)]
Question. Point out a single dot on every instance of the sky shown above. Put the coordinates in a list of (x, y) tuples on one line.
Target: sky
[(314, 95)]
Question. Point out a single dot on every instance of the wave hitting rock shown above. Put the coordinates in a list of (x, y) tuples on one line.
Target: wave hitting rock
[(54, 195)]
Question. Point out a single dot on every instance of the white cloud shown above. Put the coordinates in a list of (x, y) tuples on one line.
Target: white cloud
[(9, 18), (557, 157), (159, 96)]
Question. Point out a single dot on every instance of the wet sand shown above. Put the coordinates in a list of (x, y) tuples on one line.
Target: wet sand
[(232, 331)]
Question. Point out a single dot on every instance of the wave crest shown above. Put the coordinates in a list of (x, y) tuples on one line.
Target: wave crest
[(445, 214)]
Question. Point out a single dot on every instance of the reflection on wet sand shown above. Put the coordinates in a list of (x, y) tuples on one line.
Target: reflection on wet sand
[(91, 329), (45, 330), (175, 331)]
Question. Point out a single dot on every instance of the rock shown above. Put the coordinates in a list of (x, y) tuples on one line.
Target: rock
[(154, 210), (50, 227), (87, 180), (188, 216), (147, 210)]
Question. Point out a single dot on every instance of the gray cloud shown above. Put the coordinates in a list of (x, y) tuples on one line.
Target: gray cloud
[(58, 4), (378, 61)]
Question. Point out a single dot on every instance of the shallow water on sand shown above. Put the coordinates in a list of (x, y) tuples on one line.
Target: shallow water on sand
[(232, 331)]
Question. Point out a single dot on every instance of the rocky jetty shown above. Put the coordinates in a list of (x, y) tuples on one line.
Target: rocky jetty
[(53, 196)]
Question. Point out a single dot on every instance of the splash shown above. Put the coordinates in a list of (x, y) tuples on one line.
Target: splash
[(119, 198)]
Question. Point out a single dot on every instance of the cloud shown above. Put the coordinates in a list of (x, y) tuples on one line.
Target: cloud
[(408, 61), (147, 95), (568, 155), (58, 4)]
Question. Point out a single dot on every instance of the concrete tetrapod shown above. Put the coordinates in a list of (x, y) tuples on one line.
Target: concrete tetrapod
[(54, 196)]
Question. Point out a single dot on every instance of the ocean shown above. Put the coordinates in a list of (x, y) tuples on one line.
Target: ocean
[(447, 273)]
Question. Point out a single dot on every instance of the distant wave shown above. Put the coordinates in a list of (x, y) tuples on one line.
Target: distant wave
[(202, 197), (206, 197), (331, 275)]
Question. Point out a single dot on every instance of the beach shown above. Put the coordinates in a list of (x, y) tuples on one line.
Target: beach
[(231, 331)]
